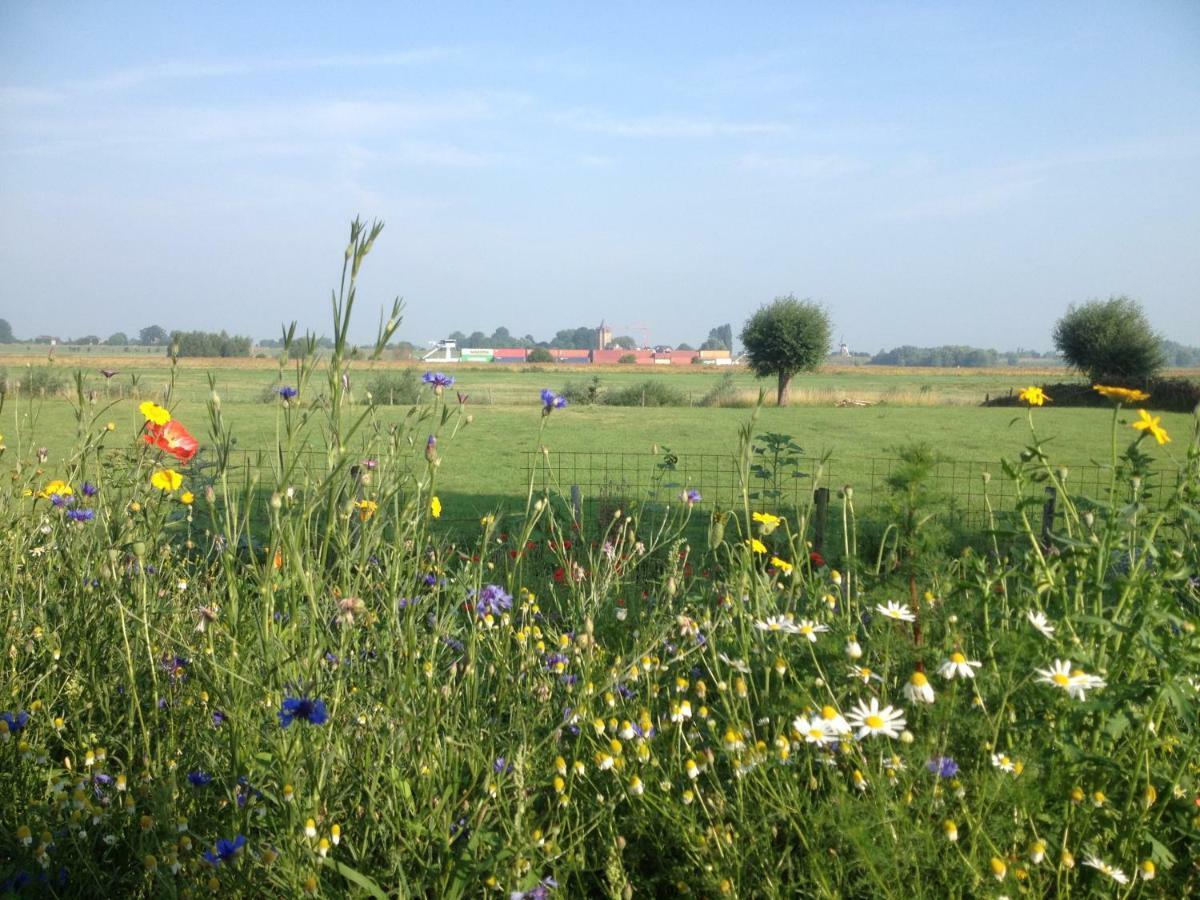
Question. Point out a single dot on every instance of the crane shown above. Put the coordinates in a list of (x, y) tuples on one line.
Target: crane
[(639, 326)]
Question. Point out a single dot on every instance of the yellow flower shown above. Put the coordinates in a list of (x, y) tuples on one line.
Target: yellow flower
[(435, 507), (166, 480), (782, 565), (487, 520), (756, 545), (1149, 423), (1120, 394), (154, 413), (366, 508), (187, 498), (56, 487), (766, 521), (1033, 395)]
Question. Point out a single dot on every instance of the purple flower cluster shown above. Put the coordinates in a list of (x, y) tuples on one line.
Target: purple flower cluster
[(492, 600), (199, 778), (15, 721), (437, 380), (287, 392), (81, 515)]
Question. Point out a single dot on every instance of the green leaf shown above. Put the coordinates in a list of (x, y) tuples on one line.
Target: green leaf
[(357, 877)]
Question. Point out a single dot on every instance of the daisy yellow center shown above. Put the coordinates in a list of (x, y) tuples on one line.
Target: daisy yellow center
[(806, 629), (919, 679), (1077, 673), (957, 658), (1060, 679), (816, 733), (828, 712), (873, 722)]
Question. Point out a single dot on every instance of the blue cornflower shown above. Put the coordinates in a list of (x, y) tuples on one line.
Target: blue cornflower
[(311, 711), (492, 601), (691, 495), (199, 778), (501, 766), (81, 515), (287, 392), (942, 766), (551, 401), (540, 892), (225, 850), (89, 489), (438, 381), (15, 721), (218, 718), (61, 500)]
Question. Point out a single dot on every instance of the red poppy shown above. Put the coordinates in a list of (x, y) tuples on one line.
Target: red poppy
[(173, 438), (816, 559)]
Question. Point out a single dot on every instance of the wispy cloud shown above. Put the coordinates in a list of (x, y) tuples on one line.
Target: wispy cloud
[(670, 126), (805, 166)]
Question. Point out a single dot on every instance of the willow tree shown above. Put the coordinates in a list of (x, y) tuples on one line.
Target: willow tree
[(785, 337)]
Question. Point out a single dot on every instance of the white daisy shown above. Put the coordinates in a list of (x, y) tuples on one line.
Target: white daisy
[(958, 666), (865, 675), (1003, 763), (780, 624), (811, 629), (738, 665), (834, 721), (1111, 871), (1082, 682), (918, 689), (1038, 620), (896, 611), (814, 731), (871, 720), (1058, 674)]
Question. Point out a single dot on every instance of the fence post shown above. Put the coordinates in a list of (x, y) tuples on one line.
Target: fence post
[(820, 515), (1048, 514), (576, 503)]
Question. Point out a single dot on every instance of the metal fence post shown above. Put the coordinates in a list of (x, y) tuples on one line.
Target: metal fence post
[(820, 516), (1048, 514)]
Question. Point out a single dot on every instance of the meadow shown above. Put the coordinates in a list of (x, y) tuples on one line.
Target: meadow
[(294, 679)]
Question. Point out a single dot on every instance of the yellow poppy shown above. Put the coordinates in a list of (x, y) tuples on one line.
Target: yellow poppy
[(1151, 424), (366, 508), (756, 545), (154, 413), (435, 507), (1120, 394), (186, 498), (782, 565), (1033, 395), (56, 487), (166, 480)]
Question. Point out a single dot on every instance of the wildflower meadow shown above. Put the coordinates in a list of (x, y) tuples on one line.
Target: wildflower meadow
[(302, 685)]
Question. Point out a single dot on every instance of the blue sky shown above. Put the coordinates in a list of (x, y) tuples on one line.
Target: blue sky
[(933, 173)]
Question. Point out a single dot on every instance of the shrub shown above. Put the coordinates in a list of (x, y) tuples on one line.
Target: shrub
[(539, 355), (723, 393), (42, 381), (401, 388), (627, 359), (1110, 341), (651, 392), (583, 393)]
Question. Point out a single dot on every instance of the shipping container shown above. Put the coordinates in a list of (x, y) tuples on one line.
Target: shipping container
[(509, 355), (476, 354)]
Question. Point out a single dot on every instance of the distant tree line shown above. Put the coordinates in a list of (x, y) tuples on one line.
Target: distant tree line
[(582, 338), (948, 356), (209, 343)]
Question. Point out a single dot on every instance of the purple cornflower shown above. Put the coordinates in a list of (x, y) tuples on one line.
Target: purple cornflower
[(311, 711), (462, 398), (89, 489), (61, 500), (492, 601), (81, 515), (225, 850), (556, 662), (690, 496), (199, 778), (218, 718), (287, 392), (501, 766), (942, 766), (541, 892), (551, 401), (438, 381)]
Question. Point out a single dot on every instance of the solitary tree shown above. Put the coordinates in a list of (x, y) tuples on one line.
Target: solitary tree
[(6, 334), (786, 337), (1109, 340), (152, 335)]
